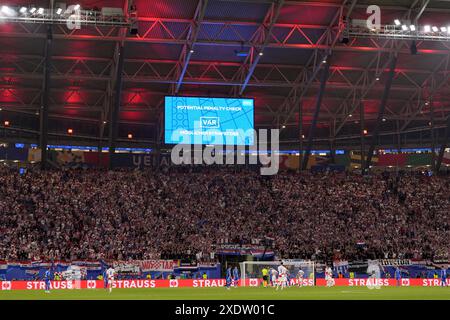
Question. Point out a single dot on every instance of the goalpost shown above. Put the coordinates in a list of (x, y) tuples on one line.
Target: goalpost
[(251, 271)]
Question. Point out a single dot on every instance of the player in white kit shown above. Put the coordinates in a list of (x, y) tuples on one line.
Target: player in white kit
[(273, 277), (300, 275), (329, 277), (374, 272), (110, 274), (282, 276)]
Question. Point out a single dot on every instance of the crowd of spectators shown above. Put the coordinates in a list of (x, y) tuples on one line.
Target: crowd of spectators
[(94, 214)]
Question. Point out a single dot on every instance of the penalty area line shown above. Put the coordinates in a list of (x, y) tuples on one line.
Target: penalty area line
[(371, 291)]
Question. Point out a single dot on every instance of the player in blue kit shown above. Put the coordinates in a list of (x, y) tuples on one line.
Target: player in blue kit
[(105, 279), (398, 276), (228, 278), (235, 277), (443, 277), (47, 278)]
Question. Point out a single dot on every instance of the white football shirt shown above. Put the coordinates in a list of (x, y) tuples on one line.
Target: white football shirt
[(110, 273)]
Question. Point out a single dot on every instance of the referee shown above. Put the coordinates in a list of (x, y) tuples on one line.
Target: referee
[(265, 276)]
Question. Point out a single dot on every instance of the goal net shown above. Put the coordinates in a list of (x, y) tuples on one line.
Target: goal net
[(252, 271)]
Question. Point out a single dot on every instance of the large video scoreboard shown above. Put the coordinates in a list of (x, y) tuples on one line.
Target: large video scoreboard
[(205, 120)]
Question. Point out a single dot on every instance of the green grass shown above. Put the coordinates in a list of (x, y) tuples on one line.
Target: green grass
[(293, 293)]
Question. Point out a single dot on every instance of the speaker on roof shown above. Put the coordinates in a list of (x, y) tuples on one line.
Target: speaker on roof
[(134, 28), (345, 35)]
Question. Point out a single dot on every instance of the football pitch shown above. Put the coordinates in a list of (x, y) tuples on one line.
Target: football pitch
[(247, 293)]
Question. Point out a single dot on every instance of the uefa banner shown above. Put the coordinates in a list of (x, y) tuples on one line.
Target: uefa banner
[(208, 283), (141, 161)]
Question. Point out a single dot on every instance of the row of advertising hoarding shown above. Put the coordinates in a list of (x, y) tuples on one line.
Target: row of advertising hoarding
[(153, 268), (208, 283), (408, 268), (160, 268), (80, 159)]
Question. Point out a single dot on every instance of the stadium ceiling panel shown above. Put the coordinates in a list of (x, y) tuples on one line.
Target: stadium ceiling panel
[(227, 32)]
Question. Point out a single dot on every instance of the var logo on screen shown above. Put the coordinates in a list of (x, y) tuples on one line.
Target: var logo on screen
[(209, 122), (247, 103)]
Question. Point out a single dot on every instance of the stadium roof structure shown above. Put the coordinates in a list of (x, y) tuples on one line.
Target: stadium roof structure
[(290, 56)]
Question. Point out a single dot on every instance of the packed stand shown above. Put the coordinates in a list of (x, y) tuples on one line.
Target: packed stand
[(93, 214)]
